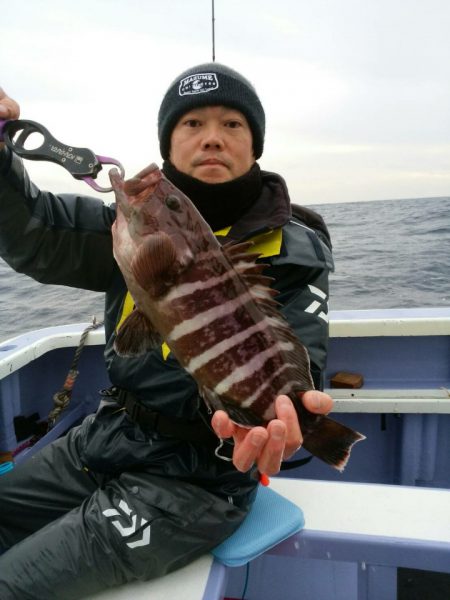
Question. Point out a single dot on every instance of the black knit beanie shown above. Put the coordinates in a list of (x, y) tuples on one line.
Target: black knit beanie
[(210, 84)]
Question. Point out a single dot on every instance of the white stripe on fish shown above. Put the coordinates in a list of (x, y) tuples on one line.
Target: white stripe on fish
[(201, 360), (187, 289), (254, 365), (249, 401), (212, 353), (207, 317)]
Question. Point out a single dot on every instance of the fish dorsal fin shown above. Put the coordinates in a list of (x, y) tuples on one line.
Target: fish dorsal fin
[(264, 297), (136, 336), (231, 248), (244, 263)]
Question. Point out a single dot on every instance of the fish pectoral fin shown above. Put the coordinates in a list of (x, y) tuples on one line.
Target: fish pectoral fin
[(154, 260), (240, 416), (136, 336)]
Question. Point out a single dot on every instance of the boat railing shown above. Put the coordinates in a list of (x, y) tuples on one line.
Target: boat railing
[(402, 408), (18, 351)]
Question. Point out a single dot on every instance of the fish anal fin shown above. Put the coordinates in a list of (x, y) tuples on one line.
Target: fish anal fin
[(300, 359), (327, 439), (240, 416), (154, 261), (136, 336)]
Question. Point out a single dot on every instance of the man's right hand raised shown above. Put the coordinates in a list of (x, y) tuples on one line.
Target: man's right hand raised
[(9, 109)]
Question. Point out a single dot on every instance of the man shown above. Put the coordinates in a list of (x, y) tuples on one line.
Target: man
[(137, 489)]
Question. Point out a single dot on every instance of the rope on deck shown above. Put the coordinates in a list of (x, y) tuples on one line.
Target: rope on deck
[(62, 398)]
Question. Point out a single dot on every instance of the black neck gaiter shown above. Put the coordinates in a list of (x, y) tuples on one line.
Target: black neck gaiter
[(220, 204)]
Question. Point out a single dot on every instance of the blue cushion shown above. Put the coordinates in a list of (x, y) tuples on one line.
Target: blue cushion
[(271, 520)]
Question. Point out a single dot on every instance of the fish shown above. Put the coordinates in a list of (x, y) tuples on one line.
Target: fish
[(216, 311)]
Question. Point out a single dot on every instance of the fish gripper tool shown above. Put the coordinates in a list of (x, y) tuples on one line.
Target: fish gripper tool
[(82, 163)]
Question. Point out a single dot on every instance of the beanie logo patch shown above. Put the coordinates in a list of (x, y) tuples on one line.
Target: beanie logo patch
[(199, 83)]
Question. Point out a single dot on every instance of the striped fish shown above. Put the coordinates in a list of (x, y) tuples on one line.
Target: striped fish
[(215, 309)]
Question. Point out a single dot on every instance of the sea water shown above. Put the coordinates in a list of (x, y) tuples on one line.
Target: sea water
[(388, 254)]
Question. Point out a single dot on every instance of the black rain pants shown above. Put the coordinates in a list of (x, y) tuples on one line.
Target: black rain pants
[(66, 532)]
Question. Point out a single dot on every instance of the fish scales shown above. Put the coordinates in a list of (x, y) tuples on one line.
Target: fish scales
[(224, 330), (262, 379), (240, 347), (235, 361), (215, 311), (216, 307), (213, 314), (200, 279), (228, 372)]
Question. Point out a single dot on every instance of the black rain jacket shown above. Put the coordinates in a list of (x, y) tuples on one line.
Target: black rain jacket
[(66, 239)]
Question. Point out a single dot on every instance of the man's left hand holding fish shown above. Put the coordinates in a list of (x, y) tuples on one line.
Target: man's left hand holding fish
[(269, 446)]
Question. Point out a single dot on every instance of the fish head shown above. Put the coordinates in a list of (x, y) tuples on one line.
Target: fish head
[(158, 232), (133, 196), (151, 205)]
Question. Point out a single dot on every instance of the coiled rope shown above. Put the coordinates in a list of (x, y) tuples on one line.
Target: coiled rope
[(62, 398)]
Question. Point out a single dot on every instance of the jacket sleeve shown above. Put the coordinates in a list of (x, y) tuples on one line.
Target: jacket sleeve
[(301, 276), (60, 239)]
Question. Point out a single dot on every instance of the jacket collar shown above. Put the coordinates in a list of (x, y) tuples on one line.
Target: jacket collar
[(271, 210)]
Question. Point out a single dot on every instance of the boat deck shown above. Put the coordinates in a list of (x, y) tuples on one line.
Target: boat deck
[(356, 537), (390, 506)]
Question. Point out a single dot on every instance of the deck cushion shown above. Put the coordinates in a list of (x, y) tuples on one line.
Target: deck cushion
[(271, 520)]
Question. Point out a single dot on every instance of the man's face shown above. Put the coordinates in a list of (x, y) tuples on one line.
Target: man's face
[(213, 144)]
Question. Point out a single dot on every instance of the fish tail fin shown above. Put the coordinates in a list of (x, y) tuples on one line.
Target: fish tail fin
[(326, 439)]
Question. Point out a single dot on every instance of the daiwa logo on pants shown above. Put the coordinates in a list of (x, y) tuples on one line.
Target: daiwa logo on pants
[(198, 83), (131, 525)]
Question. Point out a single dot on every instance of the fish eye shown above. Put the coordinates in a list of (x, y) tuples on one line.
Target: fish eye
[(173, 203)]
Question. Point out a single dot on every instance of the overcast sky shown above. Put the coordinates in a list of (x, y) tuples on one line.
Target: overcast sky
[(356, 92)]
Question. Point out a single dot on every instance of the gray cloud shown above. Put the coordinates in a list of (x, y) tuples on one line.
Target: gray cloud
[(356, 91)]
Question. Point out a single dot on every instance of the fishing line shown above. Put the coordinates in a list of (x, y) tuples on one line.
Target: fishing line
[(219, 448), (213, 21)]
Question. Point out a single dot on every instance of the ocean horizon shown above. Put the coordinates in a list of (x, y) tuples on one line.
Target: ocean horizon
[(387, 253)]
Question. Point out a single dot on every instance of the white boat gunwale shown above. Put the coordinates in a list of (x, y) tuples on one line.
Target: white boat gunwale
[(18, 351)]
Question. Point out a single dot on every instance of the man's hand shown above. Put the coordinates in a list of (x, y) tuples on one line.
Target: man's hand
[(268, 446), (9, 109)]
